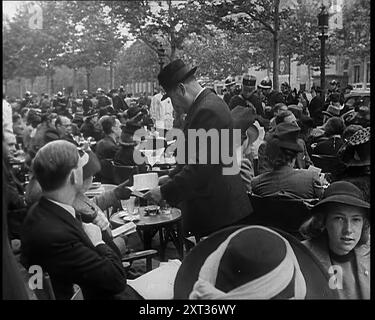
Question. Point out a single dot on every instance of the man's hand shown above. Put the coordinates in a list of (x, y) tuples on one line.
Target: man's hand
[(164, 180), (101, 221), (154, 195), (94, 233), (122, 192)]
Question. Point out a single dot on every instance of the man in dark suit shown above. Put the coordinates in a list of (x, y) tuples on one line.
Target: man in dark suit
[(316, 106), (64, 128), (54, 237), (119, 103), (107, 147), (210, 200)]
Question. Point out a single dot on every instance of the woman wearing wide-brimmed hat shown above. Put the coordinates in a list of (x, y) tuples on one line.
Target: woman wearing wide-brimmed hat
[(356, 155), (338, 234), (251, 262), (281, 152)]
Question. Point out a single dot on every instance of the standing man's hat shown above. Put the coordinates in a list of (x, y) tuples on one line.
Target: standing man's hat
[(251, 262), (59, 94), (174, 73), (249, 81), (85, 92), (287, 134), (266, 84)]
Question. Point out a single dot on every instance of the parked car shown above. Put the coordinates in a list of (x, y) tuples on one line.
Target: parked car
[(356, 102), (357, 98)]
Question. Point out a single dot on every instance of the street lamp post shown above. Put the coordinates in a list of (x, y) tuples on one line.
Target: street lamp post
[(323, 25), (161, 55)]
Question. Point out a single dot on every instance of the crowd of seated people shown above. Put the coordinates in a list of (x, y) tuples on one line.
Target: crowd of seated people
[(52, 223)]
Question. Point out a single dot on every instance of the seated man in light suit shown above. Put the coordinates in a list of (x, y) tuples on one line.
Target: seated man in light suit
[(54, 237)]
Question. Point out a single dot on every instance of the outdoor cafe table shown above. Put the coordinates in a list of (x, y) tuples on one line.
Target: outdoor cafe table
[(168, 225)]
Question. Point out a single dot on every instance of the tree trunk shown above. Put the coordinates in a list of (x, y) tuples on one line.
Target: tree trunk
[(276, 46), (47, 84), (309, 76), (88, 74), (20, 87), (173, 52), (52, 83), (172, 35), (111, 75), (74, 82), (32, 81)]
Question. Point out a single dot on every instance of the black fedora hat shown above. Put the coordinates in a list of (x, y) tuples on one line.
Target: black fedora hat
[(315, 276), (174, 73)]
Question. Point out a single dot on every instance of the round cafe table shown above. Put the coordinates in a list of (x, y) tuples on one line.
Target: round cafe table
[(168, 225)]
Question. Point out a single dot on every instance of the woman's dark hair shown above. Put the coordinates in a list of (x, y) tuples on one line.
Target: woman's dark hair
[(276, 156), (350, 130), (335, 97), (107, 125), (16, 117), (33, 118), (334, 125), (305, 123)]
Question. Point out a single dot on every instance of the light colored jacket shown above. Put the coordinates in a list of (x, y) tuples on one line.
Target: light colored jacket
[(7, 122), (319, 247)]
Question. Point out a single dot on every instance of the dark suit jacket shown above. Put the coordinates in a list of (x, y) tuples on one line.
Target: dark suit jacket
[(119, 104), (239, 100), (302, 183), (329, 147), (106, 148), (315, 109), (55, 240), (209, 199)]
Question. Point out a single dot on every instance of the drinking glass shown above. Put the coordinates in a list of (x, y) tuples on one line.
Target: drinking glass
[(165, 207)]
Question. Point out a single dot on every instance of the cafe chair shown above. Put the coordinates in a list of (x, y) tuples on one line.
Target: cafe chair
[(122, 173), (137, 255), (128, 256), (284, 213), (328, 164), (106, 173), (46, 293), (77, 293)]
